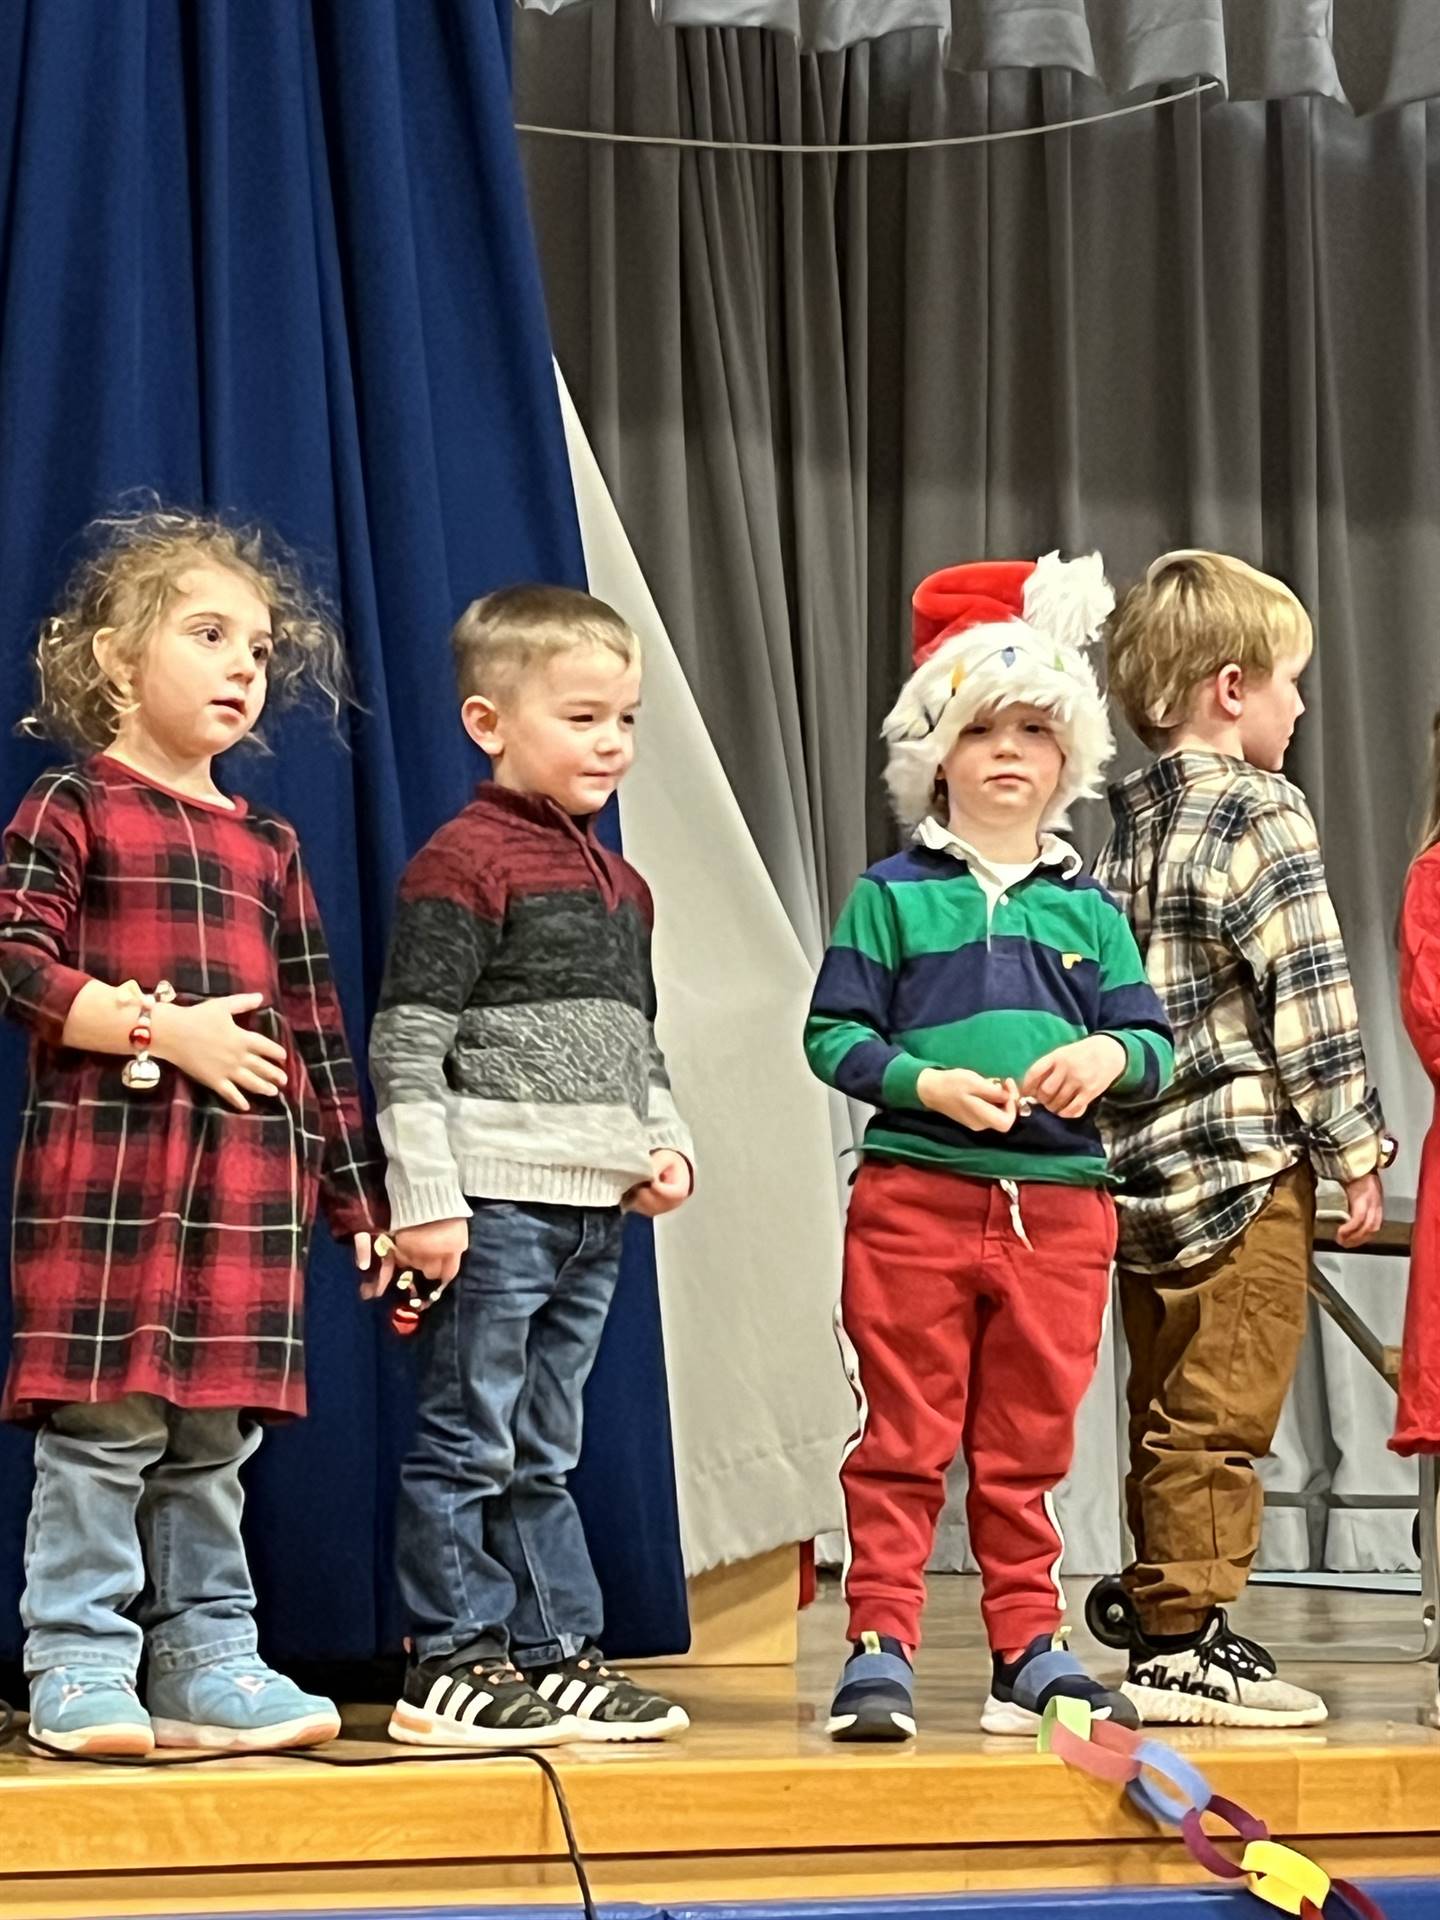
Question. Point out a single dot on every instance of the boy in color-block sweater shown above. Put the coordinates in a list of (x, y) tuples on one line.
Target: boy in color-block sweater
[(523, 1105), (982, 994)]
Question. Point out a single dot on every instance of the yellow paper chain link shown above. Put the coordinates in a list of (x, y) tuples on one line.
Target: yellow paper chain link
[(1282, 1877)]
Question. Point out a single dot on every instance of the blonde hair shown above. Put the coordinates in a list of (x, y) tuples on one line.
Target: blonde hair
[(1192, 614), (125, 583), (500, 638)]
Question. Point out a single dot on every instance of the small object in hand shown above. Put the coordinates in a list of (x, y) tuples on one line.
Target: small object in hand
[(1023, 1105), (410, 1304), (142, 1073)]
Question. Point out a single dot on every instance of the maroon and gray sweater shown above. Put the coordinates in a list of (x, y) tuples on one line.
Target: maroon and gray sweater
[(514, 1053)]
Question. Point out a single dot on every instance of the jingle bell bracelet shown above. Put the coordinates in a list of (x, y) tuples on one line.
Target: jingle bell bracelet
[(142, 1073), (408, 1303)]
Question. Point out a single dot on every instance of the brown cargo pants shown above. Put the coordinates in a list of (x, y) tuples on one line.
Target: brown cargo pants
[(1213, 1349)]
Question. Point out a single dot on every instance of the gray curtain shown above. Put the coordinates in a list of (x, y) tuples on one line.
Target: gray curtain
[(1369, 53), (810, 380)]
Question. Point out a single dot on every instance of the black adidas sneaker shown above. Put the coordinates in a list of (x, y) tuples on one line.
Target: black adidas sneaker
[(474, 1698), (601, 1703)]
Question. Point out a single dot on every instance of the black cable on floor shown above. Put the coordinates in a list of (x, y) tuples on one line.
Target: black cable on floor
[(10, 1732)]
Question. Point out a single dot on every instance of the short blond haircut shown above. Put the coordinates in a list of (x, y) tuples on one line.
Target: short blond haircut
[(502, 637), (133, 567), (1192, 614)]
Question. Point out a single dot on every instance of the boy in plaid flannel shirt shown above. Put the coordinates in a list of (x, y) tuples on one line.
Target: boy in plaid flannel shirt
[(1215, 858)]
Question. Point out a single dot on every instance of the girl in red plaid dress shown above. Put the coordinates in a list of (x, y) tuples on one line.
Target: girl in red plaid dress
[(192, 1099)]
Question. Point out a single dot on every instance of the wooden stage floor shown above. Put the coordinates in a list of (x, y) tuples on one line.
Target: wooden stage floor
[(753, 1803)]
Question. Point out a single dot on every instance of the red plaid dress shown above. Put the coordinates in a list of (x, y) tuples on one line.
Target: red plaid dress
[(160, 1238)]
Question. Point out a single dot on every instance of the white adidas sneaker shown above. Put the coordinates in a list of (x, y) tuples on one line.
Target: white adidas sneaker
[(1224, 1680)]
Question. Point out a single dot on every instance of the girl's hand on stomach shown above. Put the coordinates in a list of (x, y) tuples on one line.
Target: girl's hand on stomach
[(207, 1042)]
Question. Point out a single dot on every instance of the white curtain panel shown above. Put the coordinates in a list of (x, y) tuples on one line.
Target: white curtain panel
[(750, 1269)]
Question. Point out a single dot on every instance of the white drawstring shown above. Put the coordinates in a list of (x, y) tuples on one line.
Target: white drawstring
[(1012, 1194)]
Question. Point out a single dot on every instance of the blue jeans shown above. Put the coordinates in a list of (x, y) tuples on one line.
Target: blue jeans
[(489, 1544), (134, 1537)]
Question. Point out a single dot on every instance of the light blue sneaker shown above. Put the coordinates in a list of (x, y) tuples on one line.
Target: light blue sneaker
[(237, 1705), (89, 1710)]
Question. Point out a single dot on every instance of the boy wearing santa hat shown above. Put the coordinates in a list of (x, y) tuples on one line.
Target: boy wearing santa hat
[(981, 993)]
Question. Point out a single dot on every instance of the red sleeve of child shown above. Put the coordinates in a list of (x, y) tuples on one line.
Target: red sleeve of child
[(46, 849), (1417, 1426), (1420, 960)]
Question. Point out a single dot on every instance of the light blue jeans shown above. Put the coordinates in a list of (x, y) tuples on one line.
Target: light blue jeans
[(489, 1545), (134, 1537)]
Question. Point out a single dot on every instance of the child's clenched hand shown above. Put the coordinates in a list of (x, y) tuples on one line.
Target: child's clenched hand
[(667, 1188), (1365, 1211), (436, 1249), (1070, 1079), (980, 1104)]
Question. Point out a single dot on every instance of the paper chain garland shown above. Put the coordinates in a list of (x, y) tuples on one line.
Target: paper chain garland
[(1145, 1768)]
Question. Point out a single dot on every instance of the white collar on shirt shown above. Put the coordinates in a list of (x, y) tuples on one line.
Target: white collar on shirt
[(1054, 852)]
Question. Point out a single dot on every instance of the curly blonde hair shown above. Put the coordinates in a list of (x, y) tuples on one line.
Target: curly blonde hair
[(124, 584), (1192, 614)]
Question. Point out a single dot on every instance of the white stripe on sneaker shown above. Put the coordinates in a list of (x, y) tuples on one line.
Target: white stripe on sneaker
[(596, 1697), (460, 1692), (550, 1686), (438, 1690), (476, 1707), (576, 1690)]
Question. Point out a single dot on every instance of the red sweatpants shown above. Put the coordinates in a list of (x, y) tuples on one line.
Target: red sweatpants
[(965, 1336)]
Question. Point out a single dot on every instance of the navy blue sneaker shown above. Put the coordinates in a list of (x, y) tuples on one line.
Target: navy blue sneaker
[(1021, 1689), (872, 1701)]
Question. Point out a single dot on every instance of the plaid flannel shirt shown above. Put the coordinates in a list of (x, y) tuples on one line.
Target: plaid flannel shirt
[(1217, 865)]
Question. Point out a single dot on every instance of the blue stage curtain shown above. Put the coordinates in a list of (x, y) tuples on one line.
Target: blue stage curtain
[(273, 256)]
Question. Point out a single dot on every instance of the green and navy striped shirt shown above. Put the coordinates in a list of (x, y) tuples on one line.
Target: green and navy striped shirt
[(923, 972)]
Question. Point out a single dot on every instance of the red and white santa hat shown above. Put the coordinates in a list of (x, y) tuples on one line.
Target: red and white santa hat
[(999, 633)]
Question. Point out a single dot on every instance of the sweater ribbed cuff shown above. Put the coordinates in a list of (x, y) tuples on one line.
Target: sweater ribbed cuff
[(670, 1136), (1133, 1075), (416, 1204), (899, 1085)]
